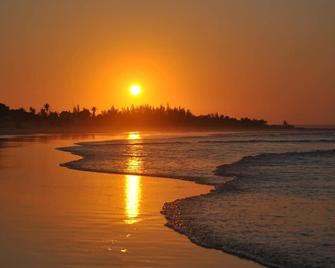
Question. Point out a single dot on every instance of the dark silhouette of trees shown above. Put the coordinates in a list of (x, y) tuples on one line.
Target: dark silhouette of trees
[(4, 109), (139, 117), (32, 110)]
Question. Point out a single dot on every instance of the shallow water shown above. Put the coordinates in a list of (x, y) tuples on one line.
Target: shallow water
[(280, 209), (193, 157), (56, 217)]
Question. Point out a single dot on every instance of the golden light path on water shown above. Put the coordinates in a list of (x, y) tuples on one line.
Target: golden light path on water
[(133, 182), (133, 198)]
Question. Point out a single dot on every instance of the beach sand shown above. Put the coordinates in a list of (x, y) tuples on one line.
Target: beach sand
[(52, 216)]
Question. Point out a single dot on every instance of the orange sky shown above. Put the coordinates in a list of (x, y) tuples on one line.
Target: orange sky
[(264, 59)]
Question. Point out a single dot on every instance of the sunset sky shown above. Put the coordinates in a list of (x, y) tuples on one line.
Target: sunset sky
[(262, 58)]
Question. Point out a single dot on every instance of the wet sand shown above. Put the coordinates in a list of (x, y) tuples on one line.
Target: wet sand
[(56, 217)]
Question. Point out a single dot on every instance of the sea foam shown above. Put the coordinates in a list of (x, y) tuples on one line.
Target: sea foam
[(278, 211)]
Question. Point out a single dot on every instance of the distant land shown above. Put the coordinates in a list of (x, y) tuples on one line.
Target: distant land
[(144, 117)]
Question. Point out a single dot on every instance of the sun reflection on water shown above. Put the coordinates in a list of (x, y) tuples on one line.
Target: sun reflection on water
[(132, 198), (134, 165), (132, 182)]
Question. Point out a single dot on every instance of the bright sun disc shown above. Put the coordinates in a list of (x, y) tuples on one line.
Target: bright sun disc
[(135, 89)]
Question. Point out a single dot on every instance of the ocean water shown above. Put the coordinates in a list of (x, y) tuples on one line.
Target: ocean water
[(274, 197), (56, 217)]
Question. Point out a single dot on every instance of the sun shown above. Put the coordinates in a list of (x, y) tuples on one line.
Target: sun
[(135, 89)]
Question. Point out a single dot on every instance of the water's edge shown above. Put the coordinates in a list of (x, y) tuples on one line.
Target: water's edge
[(217, 187), (172, 220), (74, 165)]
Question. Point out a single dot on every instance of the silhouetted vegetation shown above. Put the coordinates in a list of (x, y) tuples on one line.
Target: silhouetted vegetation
[(141, 117)]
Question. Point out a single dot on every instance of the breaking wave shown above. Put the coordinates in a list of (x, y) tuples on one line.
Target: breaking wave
[(279, 210)]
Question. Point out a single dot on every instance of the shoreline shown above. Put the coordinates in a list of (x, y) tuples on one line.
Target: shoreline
[(238, 222), (241, 188), (59, 176), (221, 248), (178, 217), (214, 188), (190, 180)]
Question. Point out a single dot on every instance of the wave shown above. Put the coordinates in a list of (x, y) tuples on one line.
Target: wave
[(240, 167), (278, 211), (201, 180), (122, 143)]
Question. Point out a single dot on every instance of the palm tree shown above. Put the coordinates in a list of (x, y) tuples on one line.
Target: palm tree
[(47, 107), (32, 110), (94, 109)]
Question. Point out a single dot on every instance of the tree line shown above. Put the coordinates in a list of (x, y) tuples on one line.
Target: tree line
[(139, 117)]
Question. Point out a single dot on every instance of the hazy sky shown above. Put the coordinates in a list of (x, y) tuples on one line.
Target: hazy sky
[(261, 58)]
